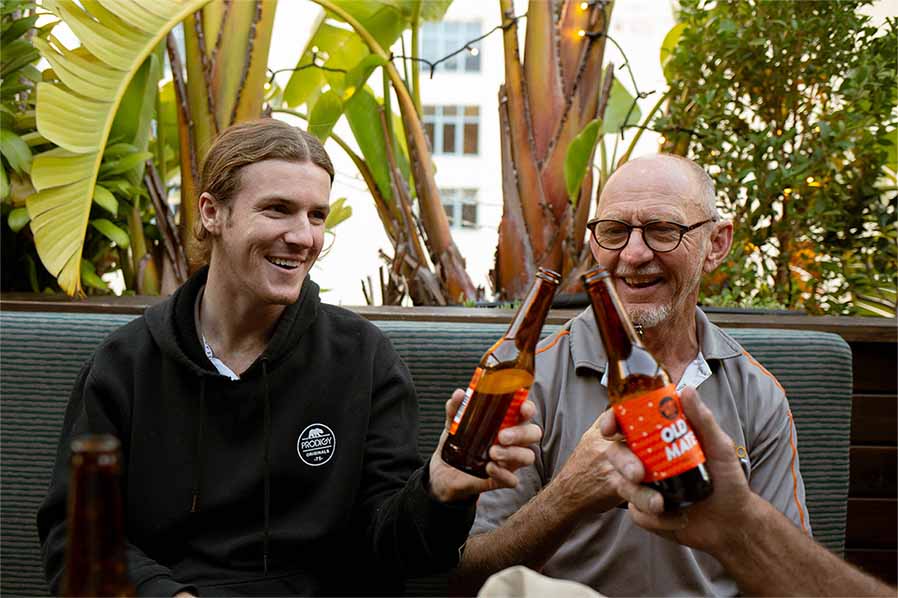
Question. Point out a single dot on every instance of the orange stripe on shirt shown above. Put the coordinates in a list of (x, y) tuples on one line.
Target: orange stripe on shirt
[(554, 340), (754, 362), (764, 370), (804, 527)]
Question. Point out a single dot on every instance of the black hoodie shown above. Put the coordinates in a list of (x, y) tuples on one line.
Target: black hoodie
[(300, 478)]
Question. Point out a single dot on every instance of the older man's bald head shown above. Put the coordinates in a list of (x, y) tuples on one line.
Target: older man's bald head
[(675, 173)]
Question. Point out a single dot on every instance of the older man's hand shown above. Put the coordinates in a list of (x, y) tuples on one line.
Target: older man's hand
[(588, 483), (513, 452), (706, 525)]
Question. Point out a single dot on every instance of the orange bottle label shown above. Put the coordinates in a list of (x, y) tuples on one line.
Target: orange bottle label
[(453, 427), (658, 433)]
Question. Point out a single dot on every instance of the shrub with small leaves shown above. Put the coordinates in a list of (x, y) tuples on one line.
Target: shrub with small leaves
[(791, 107)]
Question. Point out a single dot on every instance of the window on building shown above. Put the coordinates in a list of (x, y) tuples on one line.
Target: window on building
[(444, 38), (453, 130), (460, 206)]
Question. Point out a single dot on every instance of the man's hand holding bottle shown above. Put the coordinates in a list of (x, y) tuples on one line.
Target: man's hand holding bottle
[(705, 524), (510, 454)]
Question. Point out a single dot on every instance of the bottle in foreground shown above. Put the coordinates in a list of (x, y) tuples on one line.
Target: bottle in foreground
[(95, 550), (500, 383), (646, 403)]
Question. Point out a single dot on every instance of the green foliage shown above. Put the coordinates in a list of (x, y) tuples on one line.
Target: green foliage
[(622, 109), (791, 106), (81, 208), (18, 143), (576, 162), (98, 94), (726, 298), (348, 64)]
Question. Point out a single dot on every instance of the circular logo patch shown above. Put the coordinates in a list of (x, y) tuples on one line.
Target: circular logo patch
[(316, 445)]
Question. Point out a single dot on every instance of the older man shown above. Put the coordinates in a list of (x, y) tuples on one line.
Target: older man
[(657, 231), (269, 439)]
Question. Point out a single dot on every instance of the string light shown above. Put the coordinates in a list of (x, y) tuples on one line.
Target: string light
[(318, 58), (432, 65)]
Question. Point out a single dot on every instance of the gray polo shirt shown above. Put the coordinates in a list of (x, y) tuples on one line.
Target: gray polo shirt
[(609, 552)]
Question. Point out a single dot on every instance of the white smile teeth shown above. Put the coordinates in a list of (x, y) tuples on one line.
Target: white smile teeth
[(282, 262)]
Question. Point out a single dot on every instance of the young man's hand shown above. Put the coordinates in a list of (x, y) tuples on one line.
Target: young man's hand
[(513, 452)]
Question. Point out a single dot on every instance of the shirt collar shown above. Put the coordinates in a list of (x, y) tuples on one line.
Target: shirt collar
[(696, 372), (588, 352)]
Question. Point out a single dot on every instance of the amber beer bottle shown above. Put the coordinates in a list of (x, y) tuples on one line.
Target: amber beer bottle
[(646, 403), (95, 550), (500, 383)]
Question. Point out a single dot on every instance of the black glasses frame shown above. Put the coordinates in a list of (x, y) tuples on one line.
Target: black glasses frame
[(591, 225)]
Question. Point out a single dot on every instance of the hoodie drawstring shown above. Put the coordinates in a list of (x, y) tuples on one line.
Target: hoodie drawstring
[(267, 452), (199, 455)]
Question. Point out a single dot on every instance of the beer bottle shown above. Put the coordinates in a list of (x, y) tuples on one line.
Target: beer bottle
[(95, 549), (646, 403), (500, 383)]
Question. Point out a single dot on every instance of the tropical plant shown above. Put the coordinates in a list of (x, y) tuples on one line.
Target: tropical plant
[(549, 138), (122, 145), (395, 158), (101, 202), (76, 110), (118, 145), (18, 136), (547, 148), (792, 108)]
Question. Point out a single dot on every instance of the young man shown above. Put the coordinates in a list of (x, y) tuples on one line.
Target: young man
[(657, 232), (269, 440)]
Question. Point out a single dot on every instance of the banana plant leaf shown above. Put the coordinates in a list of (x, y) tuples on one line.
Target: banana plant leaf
[(341, 52), (77, 111), (579, 156)]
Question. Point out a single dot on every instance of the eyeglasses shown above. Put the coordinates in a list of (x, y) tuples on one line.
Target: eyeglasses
[(659, 236)]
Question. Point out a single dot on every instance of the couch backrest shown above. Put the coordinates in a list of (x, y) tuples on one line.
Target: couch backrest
[(41, 354), (813, 367)]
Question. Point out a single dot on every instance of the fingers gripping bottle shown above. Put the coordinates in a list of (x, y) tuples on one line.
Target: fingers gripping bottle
[(500, 383), (95, 547), (646, 403)]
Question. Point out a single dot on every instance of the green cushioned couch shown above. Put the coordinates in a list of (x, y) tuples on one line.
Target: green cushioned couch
[(41, 353)]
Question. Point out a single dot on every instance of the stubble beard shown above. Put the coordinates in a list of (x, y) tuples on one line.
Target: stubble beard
[(650, 316)]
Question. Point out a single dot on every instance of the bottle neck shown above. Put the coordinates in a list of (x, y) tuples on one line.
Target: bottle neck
[(617, 331), (527, 324)]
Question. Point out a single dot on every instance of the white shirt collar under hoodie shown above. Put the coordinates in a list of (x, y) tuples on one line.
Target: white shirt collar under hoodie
[(219, 365)]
